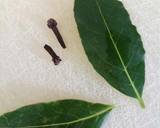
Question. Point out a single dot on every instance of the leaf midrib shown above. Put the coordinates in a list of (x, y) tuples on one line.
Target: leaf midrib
[(72, 122), (120, 57)]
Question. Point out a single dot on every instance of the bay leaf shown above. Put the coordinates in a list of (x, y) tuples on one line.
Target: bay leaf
[(59, 114), (112, 44)]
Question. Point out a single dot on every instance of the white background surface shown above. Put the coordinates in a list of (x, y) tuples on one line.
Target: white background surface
[(27, 74)]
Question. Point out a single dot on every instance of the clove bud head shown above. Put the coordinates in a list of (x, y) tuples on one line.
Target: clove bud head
[(56, 60), (51, 23)]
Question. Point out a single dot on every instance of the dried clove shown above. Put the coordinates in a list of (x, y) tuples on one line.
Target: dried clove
[(52, 24), (56, 59)]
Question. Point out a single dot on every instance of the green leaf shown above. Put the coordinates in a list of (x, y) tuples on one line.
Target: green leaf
[(112, 44), (60, 114)]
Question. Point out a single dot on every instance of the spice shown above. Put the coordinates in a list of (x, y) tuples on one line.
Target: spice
[(56, 59), (52, 24)]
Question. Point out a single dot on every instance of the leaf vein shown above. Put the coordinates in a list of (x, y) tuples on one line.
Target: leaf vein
[(119, 55), (71, 122)]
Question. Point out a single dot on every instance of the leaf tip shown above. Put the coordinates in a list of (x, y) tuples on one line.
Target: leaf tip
[(112, 107), (141, 102)]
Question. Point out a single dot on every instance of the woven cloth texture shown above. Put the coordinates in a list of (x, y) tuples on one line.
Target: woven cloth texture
[(27, 74)]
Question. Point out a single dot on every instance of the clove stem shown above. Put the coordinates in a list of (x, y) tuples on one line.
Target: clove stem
[(56, 59), (52, 24)]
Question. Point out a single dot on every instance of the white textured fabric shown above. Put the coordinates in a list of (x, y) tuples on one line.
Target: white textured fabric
[(27, 74)]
